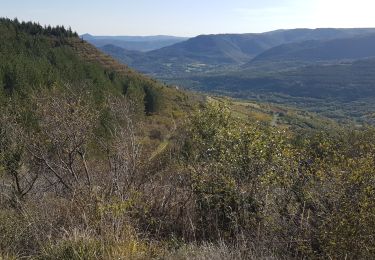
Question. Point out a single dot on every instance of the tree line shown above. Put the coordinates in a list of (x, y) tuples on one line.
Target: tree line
[(37, 29)]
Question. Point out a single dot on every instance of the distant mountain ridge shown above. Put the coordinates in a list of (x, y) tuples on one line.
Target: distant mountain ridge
[(358, 47), (136, 43), (207, 53)]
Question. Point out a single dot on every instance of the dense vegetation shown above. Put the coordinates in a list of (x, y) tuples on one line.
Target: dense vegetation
[(79, 178), (247, 189)]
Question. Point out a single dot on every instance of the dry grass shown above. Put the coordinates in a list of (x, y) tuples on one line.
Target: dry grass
[(218, 251)]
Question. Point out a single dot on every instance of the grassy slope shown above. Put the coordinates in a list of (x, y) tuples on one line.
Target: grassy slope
[(279, 116), (176, 103)]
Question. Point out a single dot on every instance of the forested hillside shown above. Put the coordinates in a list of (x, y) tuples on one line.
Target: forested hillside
[(33, 56), (100, 162)]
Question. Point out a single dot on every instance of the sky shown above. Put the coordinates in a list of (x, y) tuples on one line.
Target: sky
[(191, 17)]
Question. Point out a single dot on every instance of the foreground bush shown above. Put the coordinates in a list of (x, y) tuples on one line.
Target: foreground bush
[(76, 184)]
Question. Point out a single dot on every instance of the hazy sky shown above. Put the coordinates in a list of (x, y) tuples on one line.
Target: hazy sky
[(191, 17)]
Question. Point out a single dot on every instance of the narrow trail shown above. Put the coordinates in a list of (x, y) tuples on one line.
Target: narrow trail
[(274, 119)]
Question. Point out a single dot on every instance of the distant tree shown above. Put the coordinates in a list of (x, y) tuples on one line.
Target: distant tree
[(9, 79), (151, 100), (19, 176)]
